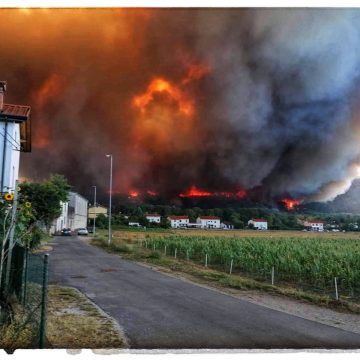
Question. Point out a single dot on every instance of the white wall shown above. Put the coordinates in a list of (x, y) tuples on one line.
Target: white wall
[(261, 225), (209, 223), (176, 223), (12, 155), (155, 219), (62, 221), (78, 210)]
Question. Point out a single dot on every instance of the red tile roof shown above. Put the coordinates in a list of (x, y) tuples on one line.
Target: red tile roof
[(15, 112), (209, 217), (178, 217), (259, 220)]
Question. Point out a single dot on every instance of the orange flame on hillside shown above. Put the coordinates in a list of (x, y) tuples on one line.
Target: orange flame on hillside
[(134, 194), (195, 192), (291, 204)]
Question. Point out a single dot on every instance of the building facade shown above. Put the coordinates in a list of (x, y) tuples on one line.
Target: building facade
[(153, 218), (226, 225), (209, 222), (259, 224), (15, 138), (181, 221), (95, 211), (62, 221), (77, 211)]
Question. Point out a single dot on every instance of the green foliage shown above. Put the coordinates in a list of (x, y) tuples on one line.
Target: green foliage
[(102, 221), (45, 197)]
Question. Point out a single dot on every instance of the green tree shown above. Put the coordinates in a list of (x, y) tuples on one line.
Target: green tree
[(46, 198), (102, 221)]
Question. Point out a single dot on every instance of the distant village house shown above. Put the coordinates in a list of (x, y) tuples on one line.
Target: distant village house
[(227, 225), (176, 221), (209, 222), (153, 218), (259, 224)]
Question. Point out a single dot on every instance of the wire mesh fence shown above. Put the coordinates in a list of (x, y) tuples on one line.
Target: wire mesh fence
[(24, 284), (333, 286)]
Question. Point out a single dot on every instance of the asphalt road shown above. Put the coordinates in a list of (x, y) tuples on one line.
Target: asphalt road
[(161, 312)]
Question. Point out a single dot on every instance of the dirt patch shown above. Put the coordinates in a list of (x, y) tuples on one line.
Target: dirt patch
[(75, 322)]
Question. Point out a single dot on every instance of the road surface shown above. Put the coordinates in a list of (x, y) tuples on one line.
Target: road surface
[(158, 311)]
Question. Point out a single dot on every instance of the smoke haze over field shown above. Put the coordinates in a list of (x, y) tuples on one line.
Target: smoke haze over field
[(225, 100)]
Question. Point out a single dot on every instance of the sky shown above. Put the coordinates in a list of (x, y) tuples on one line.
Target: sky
[(259, 103)]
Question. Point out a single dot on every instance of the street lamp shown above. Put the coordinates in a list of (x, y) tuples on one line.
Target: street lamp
[(110, 193), (94, 227)]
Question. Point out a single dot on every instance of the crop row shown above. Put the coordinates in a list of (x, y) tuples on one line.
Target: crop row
[(311, 261)]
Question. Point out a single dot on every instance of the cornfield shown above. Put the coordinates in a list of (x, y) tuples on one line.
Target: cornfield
[(313, 262)]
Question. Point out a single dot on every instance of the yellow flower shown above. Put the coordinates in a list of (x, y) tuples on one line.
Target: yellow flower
[(28, 204), (19, 188), (9, 196)]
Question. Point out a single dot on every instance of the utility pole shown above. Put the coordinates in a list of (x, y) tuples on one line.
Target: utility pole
[(11, 237), (94, 227), (110, 194)]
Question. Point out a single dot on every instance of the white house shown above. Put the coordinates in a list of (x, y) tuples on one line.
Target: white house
[(134, 224), (226, 225), (315, 225), (77, 211), (181, 221), (15, 137), (259, 224), (209, 222), (153, 218), (62, 221)]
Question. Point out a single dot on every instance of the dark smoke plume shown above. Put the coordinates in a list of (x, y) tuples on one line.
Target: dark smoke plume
[(262, 100)]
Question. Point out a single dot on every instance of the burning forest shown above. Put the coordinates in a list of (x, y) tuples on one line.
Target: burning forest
[(255, 104)]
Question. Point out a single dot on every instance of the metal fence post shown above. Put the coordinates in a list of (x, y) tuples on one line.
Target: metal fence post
[(165, 250), (187, 254), (272, 275), (25, 275), (231, 266), (336, 289), (11, 239), (175, 253), (206, 260), (42, 332)]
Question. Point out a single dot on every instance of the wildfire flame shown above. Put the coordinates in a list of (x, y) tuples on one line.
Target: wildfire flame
[(134, 194), (195, 192), (291, 204), (158, 86)]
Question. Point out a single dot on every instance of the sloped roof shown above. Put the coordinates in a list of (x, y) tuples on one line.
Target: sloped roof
[(259, 220), (178, 217), (17, 113), (209, 217)]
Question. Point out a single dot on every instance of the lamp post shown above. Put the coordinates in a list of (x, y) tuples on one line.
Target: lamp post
[(110, 193), (94, 226)]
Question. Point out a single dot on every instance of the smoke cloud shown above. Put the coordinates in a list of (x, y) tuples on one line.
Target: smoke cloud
[(224, 100)]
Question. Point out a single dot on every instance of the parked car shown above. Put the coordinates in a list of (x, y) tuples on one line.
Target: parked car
[(66, 232), (82, 231)]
